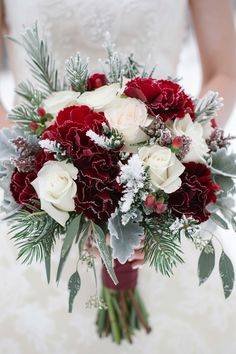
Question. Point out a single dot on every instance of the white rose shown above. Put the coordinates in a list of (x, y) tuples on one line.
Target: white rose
[(54, 103), (164, 167), (127, 115), (99, 98), (194, 130), (56, 189)]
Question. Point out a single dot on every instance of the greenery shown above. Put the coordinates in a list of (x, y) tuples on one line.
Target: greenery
[(24, 114), (131, 67), (30, 94), (113, 62), (41, 62), (77, 73), (227, 274), (161, 249), (34, 233), (206, 262)]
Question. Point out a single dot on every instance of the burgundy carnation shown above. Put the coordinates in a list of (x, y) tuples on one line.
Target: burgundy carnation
[(96, 80), (98, 192), (195, 194), (162, 97), (21, 188)]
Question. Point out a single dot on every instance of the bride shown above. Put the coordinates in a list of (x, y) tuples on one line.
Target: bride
[(185, 318)]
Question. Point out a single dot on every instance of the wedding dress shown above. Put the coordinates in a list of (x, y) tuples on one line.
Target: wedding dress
[(186, 319)]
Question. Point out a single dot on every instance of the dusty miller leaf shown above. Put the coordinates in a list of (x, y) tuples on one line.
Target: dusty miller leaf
[(223, 163), (226, 183), (124, 237)]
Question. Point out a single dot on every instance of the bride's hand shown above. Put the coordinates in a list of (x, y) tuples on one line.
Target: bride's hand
[(4, 122)]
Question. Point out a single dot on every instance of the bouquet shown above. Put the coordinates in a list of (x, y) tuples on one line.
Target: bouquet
[(114, 161)]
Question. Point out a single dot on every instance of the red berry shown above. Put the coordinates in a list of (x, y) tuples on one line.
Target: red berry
[(214, 123), (41, 112), (177, 142), (34, 126), (160, 208), (150, 201)]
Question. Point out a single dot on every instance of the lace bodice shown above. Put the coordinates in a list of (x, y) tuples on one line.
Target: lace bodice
[(151, 29)]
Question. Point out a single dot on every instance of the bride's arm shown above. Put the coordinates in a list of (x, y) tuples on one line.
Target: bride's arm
[(3, 113), (214, 27)]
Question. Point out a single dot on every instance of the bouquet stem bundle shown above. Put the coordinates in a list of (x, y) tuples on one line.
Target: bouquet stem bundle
[(125, 311)]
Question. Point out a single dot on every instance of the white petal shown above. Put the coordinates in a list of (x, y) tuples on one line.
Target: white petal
[(60, 216)]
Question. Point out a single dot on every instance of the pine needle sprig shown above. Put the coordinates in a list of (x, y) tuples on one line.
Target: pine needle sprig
[(77, 73), (41, 62), (131, 68), (26, 90), (161, 249), (23, 114), (34, 233), (113, 62)]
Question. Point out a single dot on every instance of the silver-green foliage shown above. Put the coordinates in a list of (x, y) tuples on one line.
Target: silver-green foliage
[(208, 106), (161, 249), (227, 274), (41, 62), (206, 262), (77, 73), (34, 233), (124, 237)]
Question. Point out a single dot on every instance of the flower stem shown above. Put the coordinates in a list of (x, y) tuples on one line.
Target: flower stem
[(112, 317)]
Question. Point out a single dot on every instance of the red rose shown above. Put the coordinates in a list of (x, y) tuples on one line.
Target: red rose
[(95, 81), (21, 188), (98, 192), (195, 194), (162, 97)]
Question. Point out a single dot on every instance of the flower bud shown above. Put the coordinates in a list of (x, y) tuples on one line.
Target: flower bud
[(160, 208), (214, 123), (41, 112), (177, 142), (34, 126), (150, 201)]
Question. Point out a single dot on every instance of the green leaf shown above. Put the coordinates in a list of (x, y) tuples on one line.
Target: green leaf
[(219, 221), (124, 237), (73, 287), (70, 235), (226, 184), (206, 263), (223, 163), (83, 237), (48, 266), (227, 274), (68, 241), (233, 222), (100, 239)]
